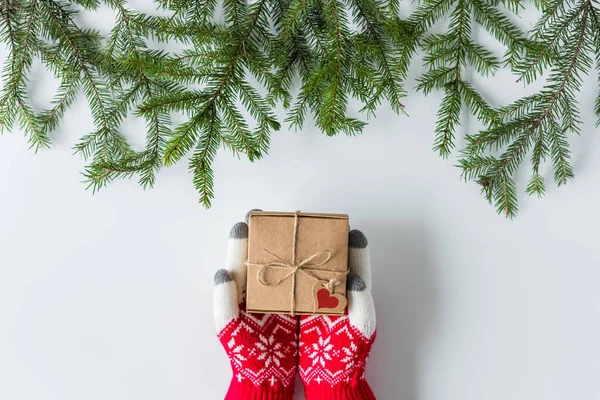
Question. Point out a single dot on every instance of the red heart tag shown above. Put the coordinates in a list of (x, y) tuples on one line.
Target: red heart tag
[(326, 300)]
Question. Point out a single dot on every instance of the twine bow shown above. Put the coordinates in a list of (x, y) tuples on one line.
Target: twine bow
[(305, 267)]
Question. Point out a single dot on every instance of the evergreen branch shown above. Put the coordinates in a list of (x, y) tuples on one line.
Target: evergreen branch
[(13, 103), (448, 54), (550, 44), (246, 62), (66, 32), (506, 197), (200, 163), (429, 13), (145, 87), (368, 65), (32, 126), (64, 98), (448, 117), (539, 122), (569, 71), (186, 137), (560, 156), (335, 84), (476, 103), (374, 21)]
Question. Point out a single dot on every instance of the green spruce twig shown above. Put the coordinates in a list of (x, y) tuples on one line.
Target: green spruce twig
[(449, 54), (538, 125), (313, 57)]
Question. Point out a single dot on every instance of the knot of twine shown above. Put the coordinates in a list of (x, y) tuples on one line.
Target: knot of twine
[(294, 267)]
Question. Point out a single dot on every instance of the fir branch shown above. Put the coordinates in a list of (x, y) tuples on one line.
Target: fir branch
[(539, 123), (126, 47), (22, 48), (200, 163), (336, 63), (223, 73), (81, 51), (339, 50), (450, 53)]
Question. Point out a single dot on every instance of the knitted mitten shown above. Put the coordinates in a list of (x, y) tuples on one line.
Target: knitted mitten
[(262, 348), (333, 350)]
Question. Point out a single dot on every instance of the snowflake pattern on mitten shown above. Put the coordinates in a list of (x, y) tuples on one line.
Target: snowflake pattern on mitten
[(262, 348), (332, 351)]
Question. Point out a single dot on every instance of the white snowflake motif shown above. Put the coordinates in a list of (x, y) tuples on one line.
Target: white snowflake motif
[(350, 358), (236, 352), (320, 352), (270, 351)]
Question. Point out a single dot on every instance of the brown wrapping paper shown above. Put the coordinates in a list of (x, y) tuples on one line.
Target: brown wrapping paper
[(321, 249)]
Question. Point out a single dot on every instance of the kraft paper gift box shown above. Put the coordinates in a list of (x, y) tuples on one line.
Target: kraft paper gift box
[(297, 263)]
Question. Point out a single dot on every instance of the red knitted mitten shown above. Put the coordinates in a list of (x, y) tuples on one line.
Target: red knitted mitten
[(262, 348), (334, 350)]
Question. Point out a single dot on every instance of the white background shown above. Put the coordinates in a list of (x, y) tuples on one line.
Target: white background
[(108, 296)]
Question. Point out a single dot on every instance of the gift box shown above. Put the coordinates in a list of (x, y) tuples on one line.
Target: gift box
[(297, 263)]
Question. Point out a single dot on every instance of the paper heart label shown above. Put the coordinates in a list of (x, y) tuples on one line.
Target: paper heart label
[(331, 303), (326, 300)]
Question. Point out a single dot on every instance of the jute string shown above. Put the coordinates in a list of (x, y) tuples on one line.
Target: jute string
[(305, 267)]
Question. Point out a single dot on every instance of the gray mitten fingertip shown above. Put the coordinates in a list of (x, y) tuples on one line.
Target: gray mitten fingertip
[(239, 231), (222, 276), (355, 283), (357, 239)]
